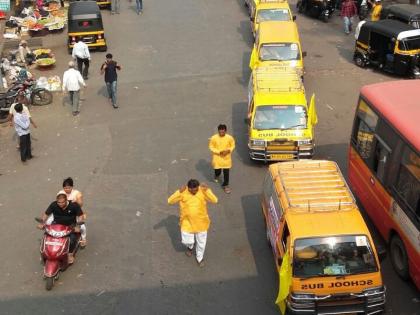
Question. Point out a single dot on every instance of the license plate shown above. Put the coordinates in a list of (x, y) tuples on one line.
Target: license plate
[(88, 39), (53, 243), (281, 156)]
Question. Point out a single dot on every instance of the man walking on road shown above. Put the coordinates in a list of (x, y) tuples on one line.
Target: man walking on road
[(22, 122), (348, 11), (115, 6), (194, 219), (109, 68), (222, 145), (82, 55), (72, 80), (139, 6)]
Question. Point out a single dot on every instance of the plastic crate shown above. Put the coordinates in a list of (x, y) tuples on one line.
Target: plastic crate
[(5, 5)]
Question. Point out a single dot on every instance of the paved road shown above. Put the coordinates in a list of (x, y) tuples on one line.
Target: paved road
[(184, 72)]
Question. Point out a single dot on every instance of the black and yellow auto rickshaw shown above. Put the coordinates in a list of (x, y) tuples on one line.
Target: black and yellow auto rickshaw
[(85, 22), (406, 13), (390, 45)]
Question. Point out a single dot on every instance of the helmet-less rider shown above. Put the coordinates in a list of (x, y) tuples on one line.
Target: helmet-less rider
[(65, 213)]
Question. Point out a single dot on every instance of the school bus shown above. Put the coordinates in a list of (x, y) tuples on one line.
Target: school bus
[(318, 234)]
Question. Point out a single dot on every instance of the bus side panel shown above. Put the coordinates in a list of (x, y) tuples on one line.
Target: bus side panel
[(370, 192)]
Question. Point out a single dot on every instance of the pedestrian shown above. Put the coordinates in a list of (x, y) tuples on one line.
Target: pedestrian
[(12, 113), (139, 6), (222, 145), (82, 55), (376, 10), (72, 80), (22, 122), (25, 54), (109, 68), (194, 220), (348, 11), (115, 6)]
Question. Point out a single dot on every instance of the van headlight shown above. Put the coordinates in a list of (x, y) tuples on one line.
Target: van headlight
[(304, 142), (257, 143)]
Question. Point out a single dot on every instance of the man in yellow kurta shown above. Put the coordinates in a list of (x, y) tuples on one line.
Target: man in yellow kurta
[(222, 146), (376, 10), (193, 218)]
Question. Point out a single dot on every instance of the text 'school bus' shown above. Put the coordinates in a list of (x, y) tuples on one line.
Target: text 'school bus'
[(324, 253), (384, 167)]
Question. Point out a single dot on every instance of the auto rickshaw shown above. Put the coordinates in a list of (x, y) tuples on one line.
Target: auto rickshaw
[(390, 45), (321, 9), (85, 22), (406, 13)]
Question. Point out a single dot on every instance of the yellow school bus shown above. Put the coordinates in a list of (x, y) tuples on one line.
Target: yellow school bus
[(280, 121), (323, 250)]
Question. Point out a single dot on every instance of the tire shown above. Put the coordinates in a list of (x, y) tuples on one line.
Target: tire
[(324, 18), (399, 257), (41, 97), (359, 61), (300, 7), (4, 117), (103, 48), (49, 283)]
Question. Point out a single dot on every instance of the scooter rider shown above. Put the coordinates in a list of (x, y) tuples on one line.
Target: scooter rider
[(74, 195), (66, 213)]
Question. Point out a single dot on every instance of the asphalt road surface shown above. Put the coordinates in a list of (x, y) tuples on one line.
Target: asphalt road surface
[(184, 72)]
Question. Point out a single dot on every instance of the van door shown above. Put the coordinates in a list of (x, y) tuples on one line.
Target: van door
[(283, 240)]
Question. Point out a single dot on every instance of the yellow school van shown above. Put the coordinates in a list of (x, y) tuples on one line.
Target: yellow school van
[(277, 43), (270, 10), (324, 253), (280, 121)]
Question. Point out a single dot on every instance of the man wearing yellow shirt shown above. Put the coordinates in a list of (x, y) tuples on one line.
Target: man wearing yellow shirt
[(221, 146), (376, 11), (193, 217)]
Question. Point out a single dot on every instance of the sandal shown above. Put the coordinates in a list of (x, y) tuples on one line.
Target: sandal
[(189, 252), (201, 264)]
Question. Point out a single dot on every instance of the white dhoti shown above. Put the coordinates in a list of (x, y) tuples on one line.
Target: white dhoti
[(199, 239)]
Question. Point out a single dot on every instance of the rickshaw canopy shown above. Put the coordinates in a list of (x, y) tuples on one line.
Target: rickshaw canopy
[(84, 16), (402, 12), (389, 28)]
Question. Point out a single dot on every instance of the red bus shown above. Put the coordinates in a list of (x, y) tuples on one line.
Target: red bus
[(384, 168)]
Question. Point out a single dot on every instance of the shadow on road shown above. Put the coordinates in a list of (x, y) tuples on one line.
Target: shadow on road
[(334, 152), (171, 224), (245, 30), (205, 168)]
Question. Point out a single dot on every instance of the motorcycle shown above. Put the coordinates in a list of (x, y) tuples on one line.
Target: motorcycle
[(54, 249), (27, 89), (322, 9), (363, 10)]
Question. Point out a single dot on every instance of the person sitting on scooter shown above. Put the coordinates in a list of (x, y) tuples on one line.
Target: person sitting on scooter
[(74, 195), (65, 213)]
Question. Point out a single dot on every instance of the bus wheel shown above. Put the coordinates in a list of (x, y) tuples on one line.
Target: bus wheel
[(399, 257)]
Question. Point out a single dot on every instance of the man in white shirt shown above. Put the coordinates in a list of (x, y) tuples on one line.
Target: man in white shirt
[(21, 122), (82, 55), (72, 80)]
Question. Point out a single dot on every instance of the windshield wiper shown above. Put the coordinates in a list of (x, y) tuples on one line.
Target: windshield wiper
[(317, 275)]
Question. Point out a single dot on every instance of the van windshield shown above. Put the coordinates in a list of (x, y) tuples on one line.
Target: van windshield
[(273, 15), (281, 52), (280, 117), (333, 256), (410, 43)]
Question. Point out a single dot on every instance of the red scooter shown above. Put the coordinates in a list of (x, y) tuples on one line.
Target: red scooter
[(55, 246)]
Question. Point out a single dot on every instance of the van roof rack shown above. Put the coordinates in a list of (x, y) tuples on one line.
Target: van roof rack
[(315, 186), (277, 79)]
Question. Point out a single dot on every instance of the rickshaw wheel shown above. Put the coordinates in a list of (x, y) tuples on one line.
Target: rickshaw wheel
[(359, 61)]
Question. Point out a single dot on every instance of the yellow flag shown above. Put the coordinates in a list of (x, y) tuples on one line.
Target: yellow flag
[(253, 58), (285, 282), (312, 111)]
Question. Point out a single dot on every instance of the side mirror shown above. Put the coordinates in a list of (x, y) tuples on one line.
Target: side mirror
[(294, 17), (304, 54), (381, 253)]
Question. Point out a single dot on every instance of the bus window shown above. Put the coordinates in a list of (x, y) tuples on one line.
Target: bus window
[(364, 129), (380, 158), (408, 181)]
